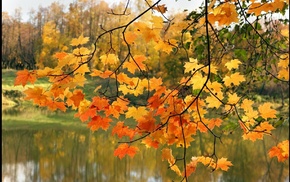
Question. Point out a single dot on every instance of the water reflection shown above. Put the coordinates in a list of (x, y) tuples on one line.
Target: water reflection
[(79, 155)]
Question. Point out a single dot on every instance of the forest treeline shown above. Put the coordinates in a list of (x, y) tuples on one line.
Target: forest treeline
[(33, 44)]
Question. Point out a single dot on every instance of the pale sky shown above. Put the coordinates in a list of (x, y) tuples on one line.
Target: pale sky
[(26, 5)]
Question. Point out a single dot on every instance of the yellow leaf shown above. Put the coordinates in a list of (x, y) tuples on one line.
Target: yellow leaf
[(109, 59), (233, 64), (233, 98), (223, 164), (247, 104), (281, 151), (266, 111), (213, 101), (79, 41), (234, 79), (82, 69), (192, 65), (136, 113)]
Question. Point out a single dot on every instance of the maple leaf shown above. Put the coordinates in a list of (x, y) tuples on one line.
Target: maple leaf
[(283, 74), (121, 130), (191, 167), (167, 155), (109, 59), (99, 122), (213, 102), (233, 98), (253, 135), (44, 72), (60, 55), (281, 151), (234, 79), (223, 164), (165, 46), (160, 8), (266, 111), (247, 104), (79, 41), (130, 37), (214, 122), (136, 113), (225, 14), (82, 69), (76, 98), (149, 142), (135, 64), (233, 64), (86, 114), (102, 74), (192, 65), (53, 105), (37, 95), (25, 76), (125, 149)]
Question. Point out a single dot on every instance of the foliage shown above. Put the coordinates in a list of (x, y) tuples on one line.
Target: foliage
[(220, 70)]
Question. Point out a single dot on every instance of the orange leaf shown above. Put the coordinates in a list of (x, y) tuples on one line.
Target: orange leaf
[(160, 8), (149, 142), (120, 130), (76, 98), (99, 122), (124, 149), (223, 164), (53, 105), (25, 76), (37, 95), (190, 168), (281, 151)]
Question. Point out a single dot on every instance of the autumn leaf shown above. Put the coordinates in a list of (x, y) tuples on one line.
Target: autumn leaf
[(75, 98), (191, 66), (37, 95), (223, 164), (191, 167), (136, 113), (130, 37), (79, 41), (167, 155), (109, 59), (54, 105), (121, 130), (125, 149), (25, 76), (233, 98), (266, 111), (234, 79), (281, 151), (149, 142), (160, 8), (99, 122), (233, 64)]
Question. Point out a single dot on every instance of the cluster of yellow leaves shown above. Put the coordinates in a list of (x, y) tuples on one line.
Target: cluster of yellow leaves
[(221, 163), (250, 114), (283, 66), (281, 151), (224, 14), (258, 7)]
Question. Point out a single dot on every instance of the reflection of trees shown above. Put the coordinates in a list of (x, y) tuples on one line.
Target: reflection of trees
[(58, 155)]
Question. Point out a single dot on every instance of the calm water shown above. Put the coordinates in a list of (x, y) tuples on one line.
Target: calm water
[(82, 156)]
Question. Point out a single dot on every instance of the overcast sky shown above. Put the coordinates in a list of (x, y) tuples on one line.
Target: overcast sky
[(26, 5)]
